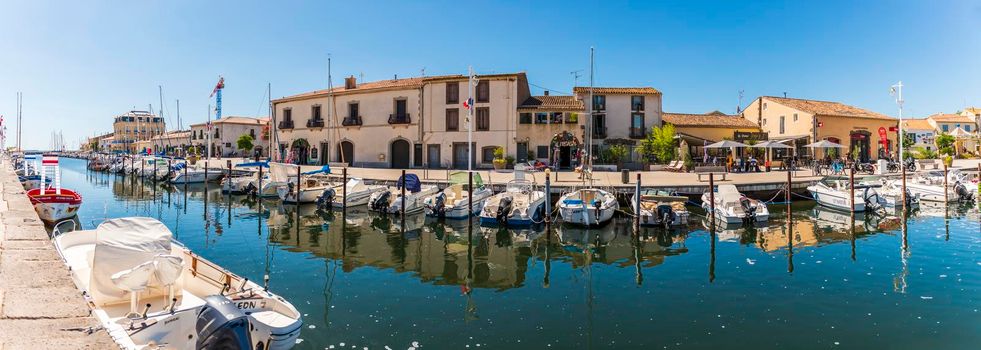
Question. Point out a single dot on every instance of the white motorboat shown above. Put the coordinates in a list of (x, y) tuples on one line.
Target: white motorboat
[(390, 199), (248, 183), (732, 207), (307, 189), (150, 292), (519, 205), (660, 209), (929, 186), (890, 195), (453, 201), (193, 174), (836, 194), (589, 206), (355, 192)]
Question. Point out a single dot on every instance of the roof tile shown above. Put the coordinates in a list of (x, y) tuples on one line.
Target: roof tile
[(713, 119), (828, 108)]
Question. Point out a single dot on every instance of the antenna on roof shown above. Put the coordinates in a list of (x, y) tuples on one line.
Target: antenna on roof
[(575, 77), (740, 105), (422, 71)]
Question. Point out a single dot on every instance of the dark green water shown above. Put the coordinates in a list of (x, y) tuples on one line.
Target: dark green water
[(361, 282)]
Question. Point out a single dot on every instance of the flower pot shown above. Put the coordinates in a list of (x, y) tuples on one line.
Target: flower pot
[(500, 164)]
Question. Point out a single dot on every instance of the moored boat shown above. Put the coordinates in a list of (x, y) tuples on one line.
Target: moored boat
[(150, 292), (454, 201), (586, 207), (519, 205), (390, 199), (53, 205), (732, 207), (660, 209)]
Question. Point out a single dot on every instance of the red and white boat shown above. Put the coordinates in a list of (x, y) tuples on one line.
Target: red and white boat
[(53, 206)]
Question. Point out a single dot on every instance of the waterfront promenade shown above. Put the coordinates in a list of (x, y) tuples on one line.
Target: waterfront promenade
[(40, 307)]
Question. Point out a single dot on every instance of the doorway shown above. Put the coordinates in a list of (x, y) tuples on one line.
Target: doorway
[(301, 151), (345, 153), (460, 155), (860, 143), (400, 154), (323, 153), (565, 157), (432, 156)]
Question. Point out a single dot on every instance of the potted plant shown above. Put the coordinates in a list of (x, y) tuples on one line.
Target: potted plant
[(499, 161), (509, 160)]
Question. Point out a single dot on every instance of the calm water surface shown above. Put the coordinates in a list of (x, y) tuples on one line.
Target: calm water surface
[(360, 281)]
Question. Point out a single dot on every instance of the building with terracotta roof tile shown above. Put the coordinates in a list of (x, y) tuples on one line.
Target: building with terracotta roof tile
[(869, 133)]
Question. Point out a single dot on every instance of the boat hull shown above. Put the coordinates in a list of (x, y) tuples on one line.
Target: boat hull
[(52, 207)]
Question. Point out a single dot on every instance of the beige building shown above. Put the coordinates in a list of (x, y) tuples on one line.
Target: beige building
[(106, 144), (621, 115), (921, 132), (171, 143), (401, 123), (94, 143), (225, 134), (698, 130), (868, 133), (547, 123), (135, 126), (947, 123)]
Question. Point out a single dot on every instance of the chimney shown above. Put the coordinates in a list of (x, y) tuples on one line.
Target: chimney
[(350, 83), (546, 92)]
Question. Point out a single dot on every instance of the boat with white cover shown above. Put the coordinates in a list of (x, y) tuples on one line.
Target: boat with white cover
[(733, 207), (658, 208), (586, 207), (453, 201), (835, 193), (150, 292), (307, 190), (390, 199), (930, 186), (520, 205), (356, 192), (193, 174), (248, 183)]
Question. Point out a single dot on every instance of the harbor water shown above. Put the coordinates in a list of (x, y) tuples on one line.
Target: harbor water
[(363, 280)]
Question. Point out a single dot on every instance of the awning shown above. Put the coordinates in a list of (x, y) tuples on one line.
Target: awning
[(789, 137)]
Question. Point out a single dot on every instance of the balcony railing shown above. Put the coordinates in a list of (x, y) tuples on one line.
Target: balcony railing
[(351, 121), (599, 132), (315, 123), (399, 119), (638, 133), (286, 124)]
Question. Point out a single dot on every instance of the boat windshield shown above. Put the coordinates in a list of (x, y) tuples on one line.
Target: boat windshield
[(460, 177), (519, 186)]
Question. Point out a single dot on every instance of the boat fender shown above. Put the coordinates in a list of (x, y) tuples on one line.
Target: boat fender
[(222, 325), (504, 209)]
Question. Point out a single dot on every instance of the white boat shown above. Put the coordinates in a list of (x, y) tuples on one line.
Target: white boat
[(930, 186), (890, 195), (660, 209), (390, 199), (356, 192), (453, 201), (519, 205), (150, 292), (244, 184), (193, 174), (590, 206), (732, 207), (307, 190), (836, 194)]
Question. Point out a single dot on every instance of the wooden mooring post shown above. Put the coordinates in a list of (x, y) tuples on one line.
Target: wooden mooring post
[(712, 201)]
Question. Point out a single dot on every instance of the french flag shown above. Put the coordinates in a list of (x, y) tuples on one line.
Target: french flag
[(468, 103)]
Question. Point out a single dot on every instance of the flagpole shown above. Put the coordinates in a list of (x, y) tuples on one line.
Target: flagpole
[(470, 100)]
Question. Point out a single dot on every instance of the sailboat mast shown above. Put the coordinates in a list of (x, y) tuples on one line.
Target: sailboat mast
[(592, 112), (273, 137)]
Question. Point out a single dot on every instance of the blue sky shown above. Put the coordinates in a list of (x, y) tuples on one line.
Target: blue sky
[(80, 63)]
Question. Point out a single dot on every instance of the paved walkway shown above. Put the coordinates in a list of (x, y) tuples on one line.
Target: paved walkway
[(40, 307)]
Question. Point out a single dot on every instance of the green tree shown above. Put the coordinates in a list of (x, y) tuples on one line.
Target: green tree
[(945, 144), (923, 153), (618, 153), (659, 145), (244, 142)]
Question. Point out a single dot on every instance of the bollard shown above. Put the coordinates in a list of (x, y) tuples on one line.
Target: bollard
[(637, 200), (945, 186), (403, 197), (712, 200), (851, 188)]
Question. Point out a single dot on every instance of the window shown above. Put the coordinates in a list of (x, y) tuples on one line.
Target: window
[(400, 108), (483, 118), (352, 110), (487, 154), (764, 122), (483, 91), (541, 118), (945, 128), (524, 118), (637, 103), (764, 106), (556, 117), (252, 133), (452, 93), (315, 112), (781, 124), (637, 120), (287, 115), (542, 152), (967, 127), (452, 119), (572, 118), (599, 103), (795, 117)]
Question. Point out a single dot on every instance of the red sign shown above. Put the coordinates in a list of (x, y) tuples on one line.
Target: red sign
[(882, 136), (893, 129), (820, 124)]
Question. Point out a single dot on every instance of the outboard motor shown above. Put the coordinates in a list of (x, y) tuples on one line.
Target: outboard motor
[(381, 202), (221, 325), (748, 208), (666, 214), (250, 190), (962, 193), (504, 210), (326, 199), (871, 198), (439, 204)]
